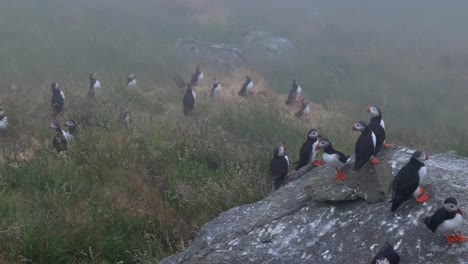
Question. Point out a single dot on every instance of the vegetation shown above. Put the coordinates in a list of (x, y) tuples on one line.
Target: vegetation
[(142, 193)]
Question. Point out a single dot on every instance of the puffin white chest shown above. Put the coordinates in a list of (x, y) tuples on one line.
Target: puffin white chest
[(132, 84), (422, 174), (3, 124), (382, 124), (194, 95), (200, 77), (250, 86), (62, 94), (332, 160), (450, 225), (217, 89), (97, 85), (287, 159), (298, 90), (314, 152), (306, 110), (374, 140)]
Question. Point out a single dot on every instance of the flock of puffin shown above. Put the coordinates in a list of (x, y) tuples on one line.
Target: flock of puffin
[(406, 184)]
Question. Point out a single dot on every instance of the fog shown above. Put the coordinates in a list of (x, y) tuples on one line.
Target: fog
[(408, 57)]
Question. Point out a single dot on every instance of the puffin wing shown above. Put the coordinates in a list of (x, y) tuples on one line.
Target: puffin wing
[(404, 184), (363, 151), (432, 222), (304, 154), (278, 167), (291, 96)]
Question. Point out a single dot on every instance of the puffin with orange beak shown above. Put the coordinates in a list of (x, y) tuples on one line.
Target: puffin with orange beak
[(447, 220), (365, 144), (333, 158), (406, 184), (308, 152), (377, 125), (279, 166)]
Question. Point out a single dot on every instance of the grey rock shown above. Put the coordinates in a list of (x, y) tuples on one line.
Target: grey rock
[(288, 226)]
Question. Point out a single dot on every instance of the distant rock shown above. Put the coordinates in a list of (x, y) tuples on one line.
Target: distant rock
[(288, 226)]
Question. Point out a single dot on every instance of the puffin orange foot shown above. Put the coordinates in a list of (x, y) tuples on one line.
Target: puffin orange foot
[(388, 145), (375, 160), (460, 238), (340, 176), (451, 239), (318, 163), (422, 198)]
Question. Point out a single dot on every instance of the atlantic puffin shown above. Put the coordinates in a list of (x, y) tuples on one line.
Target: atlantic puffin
[(131, 81), (59, 142), (189, 99), (124, 117), (377, 125), (406, 184), (305, 109), (365, 144), (447, 220), (58, 99), (3, 121), (71, 124), (68, 137), (246, 87), (332, 157), (279, 166), (386, 255), (308, 152), (197, 77), (216, 89), (294, 94), (94, 84)]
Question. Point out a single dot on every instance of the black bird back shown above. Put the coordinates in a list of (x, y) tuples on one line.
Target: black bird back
[(243, 90), (305, 153), (432, 222), (364, 148), (188, 100), (278, 170), (379, 132), (405, 182), (387, 252)]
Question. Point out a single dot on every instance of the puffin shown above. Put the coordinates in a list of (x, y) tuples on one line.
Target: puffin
[(386, 255), (377, 126), (279, 166), (72, 129), (131, 81), (406, 184), (216, 89), (189, 99), (447, 220), (246, 87), (305, 109), (294, 93), (124, 117), (68, 137), (3, 121), (58, 99), (59, 142), (197, 77), (365, 144), (308, 152), (332, 157), (94, 84)]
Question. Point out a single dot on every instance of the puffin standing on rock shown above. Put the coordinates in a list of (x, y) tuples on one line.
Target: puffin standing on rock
[(365, 144), (246, 87), (131, 81), (333, 158), (308, 151), (447, 220), (216, 89), (279, 166), (294, 93), (377, 125), (58, 99), (94, 84), (386, 255), (197, 77), (189, 99), (406, 184)]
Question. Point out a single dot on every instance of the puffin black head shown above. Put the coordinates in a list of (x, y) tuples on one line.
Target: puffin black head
[(197, 69), (56, 126), (92, 76), (279, 151), (304, 102), (189, 87), (294, 83), (451, 206), (71, 123), (359, 126), (374, 111), (247, 78), (323, 144), (313, 134), (2, 112), (131, 77), (55, 87), (420, 155)]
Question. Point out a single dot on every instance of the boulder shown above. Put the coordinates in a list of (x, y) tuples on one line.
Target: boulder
[(301, 223)]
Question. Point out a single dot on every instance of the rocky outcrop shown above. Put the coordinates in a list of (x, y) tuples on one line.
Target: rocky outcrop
[(297, 225)]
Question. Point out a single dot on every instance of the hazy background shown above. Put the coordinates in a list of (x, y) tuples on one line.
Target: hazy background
[(408, 57)]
